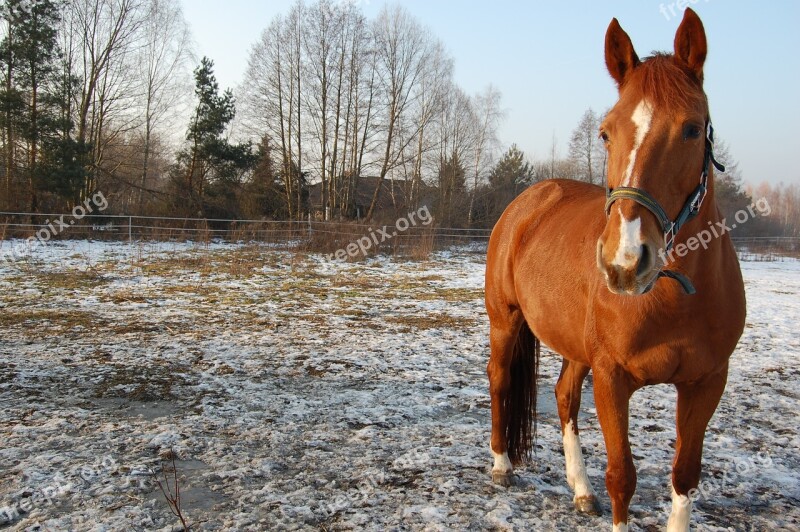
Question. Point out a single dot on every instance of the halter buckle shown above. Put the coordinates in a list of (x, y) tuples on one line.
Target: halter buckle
[(698, 200), (669, 237)]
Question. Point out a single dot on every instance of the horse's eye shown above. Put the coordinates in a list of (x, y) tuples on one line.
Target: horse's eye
[(604, 137), (692, 131)]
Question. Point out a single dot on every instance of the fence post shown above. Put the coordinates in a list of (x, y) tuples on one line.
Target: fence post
[(130, 230)]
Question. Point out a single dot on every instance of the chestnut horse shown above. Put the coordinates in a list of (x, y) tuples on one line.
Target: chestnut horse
[(592, 273)]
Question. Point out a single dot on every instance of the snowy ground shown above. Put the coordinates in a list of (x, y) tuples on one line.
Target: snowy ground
[(303, 395)]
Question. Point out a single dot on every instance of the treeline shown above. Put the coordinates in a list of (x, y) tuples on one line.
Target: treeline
[(338, 117), (90, 90)]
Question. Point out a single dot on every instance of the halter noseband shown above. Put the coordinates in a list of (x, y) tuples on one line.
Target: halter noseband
[(690, 209)]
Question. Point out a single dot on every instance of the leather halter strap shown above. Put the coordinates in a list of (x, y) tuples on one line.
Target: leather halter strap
[(690, 209)]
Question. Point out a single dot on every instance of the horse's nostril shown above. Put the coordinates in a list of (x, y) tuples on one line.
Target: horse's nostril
[(645, 261)]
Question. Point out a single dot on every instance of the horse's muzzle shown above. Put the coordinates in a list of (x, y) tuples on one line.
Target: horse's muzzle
[(635, 274)]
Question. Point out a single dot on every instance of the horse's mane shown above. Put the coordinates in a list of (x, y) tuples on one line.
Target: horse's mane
[(667, 84)]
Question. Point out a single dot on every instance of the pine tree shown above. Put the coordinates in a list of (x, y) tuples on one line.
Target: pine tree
[(512, 173), (510, 176), (209, 155), (33, 118), (452, 191)]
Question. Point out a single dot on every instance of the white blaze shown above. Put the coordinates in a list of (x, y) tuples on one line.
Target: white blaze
[(629, 249), (641, 118), (681, 513), (577, 478)]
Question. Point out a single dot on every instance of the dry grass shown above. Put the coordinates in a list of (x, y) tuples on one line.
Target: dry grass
[(70, 280), (147, 383), (50, 318), (432, 321)]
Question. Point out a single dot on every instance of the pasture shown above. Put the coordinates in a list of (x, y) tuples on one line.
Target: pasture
[(295, 393)]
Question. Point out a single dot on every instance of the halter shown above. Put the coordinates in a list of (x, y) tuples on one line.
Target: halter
[(691, 207)]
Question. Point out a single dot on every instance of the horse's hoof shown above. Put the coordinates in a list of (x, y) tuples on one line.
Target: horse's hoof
[(502, 478), (588, 504)]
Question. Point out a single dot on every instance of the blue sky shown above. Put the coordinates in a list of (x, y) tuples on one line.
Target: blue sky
[(547, 60)]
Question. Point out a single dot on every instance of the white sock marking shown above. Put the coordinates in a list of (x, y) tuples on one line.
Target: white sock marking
[(501, 463), (577, 478), (629, 249), (681, 513), (621, 527), (642, 118)]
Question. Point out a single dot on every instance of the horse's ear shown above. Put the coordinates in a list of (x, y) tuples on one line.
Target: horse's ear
[(621, 58), (690, 43)]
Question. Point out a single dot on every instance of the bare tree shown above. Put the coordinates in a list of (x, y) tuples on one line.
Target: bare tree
[(458, 125), (403, 48), (163, 59), (103, 34), (489, 115), (323, 50), (585, 149), (432, 94)]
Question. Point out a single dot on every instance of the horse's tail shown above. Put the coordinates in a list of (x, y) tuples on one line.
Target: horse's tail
[(521, 401)]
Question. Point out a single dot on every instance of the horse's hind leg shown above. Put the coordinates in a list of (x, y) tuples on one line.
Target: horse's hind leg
[(508, 372), (568, 398), (696, 404)]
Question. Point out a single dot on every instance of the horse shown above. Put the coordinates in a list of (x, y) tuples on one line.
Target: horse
[(636, 282)]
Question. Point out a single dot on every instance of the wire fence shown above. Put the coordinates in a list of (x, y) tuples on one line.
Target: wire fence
[(314, 235), (402, 235)]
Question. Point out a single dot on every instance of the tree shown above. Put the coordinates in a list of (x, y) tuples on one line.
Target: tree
[(100, 37), (509, 177), (585, 149), (452, 192), (209, 156), (489, 115), (512, 172), (403, 48), (11, 97), (728, 186), (272, 97), (162, 58), (34, 102), (431, 94)]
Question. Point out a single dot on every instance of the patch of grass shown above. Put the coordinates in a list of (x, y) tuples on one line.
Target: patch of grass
[(355, 313), (431, 278), (124, 296), (357, 281), (168, 266), (459, 295), (7, 373), (150, 383), (71, 280), (63, 319), (432, 321)]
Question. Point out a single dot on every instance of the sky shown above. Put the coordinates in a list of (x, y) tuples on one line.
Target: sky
[(546, 58)]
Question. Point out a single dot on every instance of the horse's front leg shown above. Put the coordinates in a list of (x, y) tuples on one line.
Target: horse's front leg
[(613, 388), (696, 404), (568, 398)]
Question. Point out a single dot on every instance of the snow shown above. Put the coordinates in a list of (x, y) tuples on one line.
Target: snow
[(299, 393)]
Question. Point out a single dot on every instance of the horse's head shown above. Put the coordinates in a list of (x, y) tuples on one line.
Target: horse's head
[(656, 137)]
